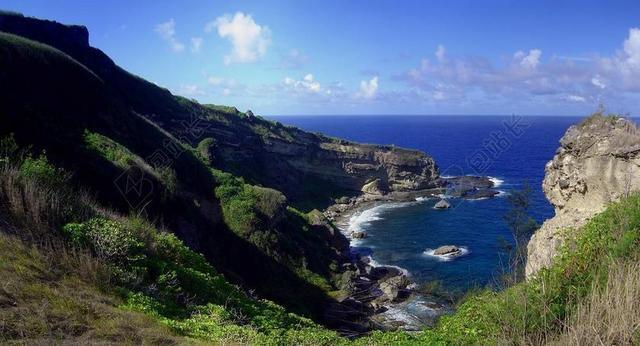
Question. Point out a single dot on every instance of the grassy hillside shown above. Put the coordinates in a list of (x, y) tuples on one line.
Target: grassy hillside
[(87, 128), (81, 272)]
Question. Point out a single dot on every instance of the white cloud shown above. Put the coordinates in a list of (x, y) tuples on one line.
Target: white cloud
[(249, 40), (307, 84), (576, 98), (369, 88), (597, 82), (167, 32), (622, 71), (196, 44), (529, 61), (440, 53), (632, 48)]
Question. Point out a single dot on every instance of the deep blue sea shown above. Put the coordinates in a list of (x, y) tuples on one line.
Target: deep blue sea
[(513, 150)]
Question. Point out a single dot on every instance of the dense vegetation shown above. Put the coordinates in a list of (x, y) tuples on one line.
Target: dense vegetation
[(124, 263)]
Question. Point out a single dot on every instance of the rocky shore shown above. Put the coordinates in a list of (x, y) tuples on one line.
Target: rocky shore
[(371, 291)]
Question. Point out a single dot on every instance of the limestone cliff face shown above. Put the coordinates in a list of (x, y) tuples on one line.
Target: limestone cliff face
[(312, 167), (598, 162)]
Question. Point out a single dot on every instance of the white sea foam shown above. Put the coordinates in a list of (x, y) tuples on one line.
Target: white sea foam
[(359, 220), (444, 196), (445, 258), (502, 193), (496, 181), (375, 263)]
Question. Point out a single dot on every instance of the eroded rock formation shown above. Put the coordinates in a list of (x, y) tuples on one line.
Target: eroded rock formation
[(598, 162)]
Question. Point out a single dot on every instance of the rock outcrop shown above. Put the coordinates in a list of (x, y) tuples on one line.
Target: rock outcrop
[(598, 162), (449, 250), (442, 204)]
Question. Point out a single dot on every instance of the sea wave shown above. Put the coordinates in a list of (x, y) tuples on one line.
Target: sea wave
[(496, 181), (444, 196), (359, 220), (375, 263), (445, 258)]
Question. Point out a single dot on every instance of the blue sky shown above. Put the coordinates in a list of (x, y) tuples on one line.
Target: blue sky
[(373, 57)]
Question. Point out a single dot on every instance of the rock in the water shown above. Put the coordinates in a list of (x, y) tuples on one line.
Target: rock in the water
[(447, 250), (358, 235), (442, 204)]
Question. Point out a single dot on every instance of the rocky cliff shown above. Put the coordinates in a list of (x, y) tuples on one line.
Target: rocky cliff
[(598, 162), (312, 169)]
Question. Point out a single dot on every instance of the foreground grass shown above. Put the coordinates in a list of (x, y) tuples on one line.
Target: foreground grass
[(42, 303), (125, 266)]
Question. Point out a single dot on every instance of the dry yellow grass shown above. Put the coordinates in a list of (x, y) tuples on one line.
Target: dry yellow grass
[(610, 315), (42, 301)]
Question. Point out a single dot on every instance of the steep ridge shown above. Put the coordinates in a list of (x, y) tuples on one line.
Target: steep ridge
[(311, 169), (598, 162), (70, 114)]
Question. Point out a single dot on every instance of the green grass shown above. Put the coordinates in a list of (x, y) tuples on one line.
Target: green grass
[(189, 297), (43, 302), (109, 149)]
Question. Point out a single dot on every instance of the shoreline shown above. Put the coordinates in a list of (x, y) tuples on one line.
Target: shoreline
[(394, 290), (391, 299)]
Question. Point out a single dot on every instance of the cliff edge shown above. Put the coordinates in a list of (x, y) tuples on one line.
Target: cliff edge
[(597, 163)]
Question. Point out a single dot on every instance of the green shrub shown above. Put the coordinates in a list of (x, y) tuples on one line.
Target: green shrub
[(40, 170), (108, 149), (203, 150), (269, 202), (238, 202)]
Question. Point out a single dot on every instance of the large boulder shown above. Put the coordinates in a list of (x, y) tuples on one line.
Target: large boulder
[(358, 235), (394, 288), (442, 204), (448, 250)]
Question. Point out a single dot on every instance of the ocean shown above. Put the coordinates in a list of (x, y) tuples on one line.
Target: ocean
[(512, 150)]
